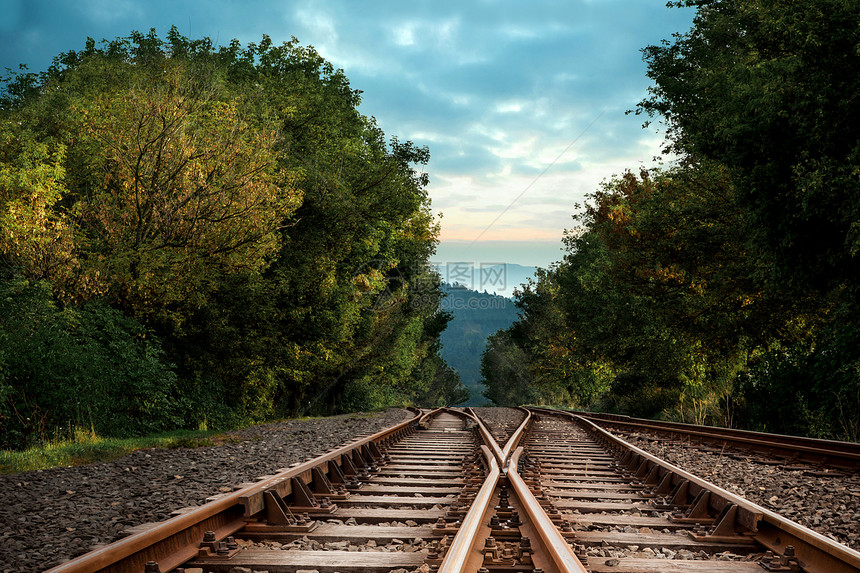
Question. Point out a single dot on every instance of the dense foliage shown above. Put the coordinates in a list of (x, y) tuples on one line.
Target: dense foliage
[(723, 289), (200, 235)]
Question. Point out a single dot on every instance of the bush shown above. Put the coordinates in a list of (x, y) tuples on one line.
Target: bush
[(639, 396), (806, 389), (86, 366)]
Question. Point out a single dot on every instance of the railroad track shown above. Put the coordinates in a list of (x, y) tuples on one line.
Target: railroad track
[(780, 448), (439, 493)]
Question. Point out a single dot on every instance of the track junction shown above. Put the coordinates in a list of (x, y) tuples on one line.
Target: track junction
[(443, 492)]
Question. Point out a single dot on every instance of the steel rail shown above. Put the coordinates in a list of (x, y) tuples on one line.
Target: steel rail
[(818, 553), (830, 450), (515, 438), (425, 416), (488, 438), (557, 548), (176, 540), (463, 545)]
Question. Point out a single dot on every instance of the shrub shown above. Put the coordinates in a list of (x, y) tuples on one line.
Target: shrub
[(79, 366)]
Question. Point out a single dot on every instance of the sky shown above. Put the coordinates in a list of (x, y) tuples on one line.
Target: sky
[(522, 104)]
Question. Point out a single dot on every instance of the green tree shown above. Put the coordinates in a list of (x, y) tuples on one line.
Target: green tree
[(768, 89), (505, 372), (235, 202), (669, 294), (33, 234), (191, 188), (724, 288), (540, 359), (66, 368)]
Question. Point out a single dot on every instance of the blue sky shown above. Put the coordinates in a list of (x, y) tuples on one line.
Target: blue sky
[(521, 103)]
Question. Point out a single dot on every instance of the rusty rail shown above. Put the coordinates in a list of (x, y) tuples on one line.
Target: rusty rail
[(463, 548), (176, 540), (488, 438), (556, 546), (515, 438), (843, 454), (502, 454), (465, 551), (423, 416), (464, 542)]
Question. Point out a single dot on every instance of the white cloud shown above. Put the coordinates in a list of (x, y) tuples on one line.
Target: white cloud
[(521, 148), (510, 107), (319, 24), (404, 35), (447, 33), (496, 89)]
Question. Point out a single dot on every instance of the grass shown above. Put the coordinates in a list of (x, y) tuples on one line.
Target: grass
[(87, 447)]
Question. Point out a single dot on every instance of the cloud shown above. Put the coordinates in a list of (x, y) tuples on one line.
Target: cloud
[(496, 89)]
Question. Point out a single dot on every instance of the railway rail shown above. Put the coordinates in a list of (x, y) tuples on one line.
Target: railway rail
[(440, 493), (782, 448)]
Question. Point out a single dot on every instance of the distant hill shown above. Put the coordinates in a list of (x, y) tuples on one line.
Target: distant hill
[(494, 278), (476, 316)]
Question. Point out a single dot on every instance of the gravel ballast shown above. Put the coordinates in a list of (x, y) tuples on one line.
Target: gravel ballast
[(501, 421), (825, 501), (50, 516)]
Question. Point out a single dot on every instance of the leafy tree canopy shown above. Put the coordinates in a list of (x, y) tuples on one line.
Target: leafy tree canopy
[(769, 89), (724, 288), (234, 202)]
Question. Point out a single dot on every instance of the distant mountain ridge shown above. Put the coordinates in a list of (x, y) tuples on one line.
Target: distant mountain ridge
[(490, 277), (476, 315)]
